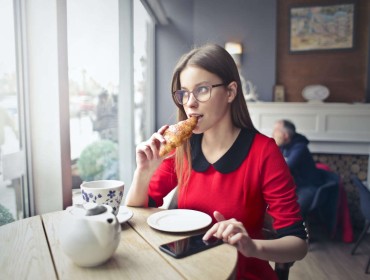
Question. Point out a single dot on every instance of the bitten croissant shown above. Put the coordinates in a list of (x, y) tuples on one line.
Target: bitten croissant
[(176, 135)]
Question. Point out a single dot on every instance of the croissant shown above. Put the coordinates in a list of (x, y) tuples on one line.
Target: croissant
[(177, 134)]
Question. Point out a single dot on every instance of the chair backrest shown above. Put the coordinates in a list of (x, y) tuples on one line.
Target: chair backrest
[(281, 269), (327, 190), (173, 200), (364, 196)]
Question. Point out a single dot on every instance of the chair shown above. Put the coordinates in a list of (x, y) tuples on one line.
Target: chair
[(337, 212), (325, 201), (281, 269), (365, 209), (325, 191)]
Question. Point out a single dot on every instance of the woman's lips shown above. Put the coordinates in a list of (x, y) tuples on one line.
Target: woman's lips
[(196, 115)]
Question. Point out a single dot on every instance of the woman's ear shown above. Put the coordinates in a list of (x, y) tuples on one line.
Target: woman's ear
[(232, 89)]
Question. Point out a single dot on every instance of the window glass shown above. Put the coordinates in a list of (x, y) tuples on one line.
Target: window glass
[(93, 57), (93, 88), (11, 199)]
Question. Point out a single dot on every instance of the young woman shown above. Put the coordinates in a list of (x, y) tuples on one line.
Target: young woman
[(226, 169)]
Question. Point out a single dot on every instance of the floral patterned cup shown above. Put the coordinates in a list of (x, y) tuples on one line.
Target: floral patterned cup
[(108, 192)]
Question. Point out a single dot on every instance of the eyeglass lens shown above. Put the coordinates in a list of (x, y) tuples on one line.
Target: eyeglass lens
[(201, 93)]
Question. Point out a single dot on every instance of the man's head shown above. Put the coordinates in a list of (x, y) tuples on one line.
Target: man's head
[(283, 132)]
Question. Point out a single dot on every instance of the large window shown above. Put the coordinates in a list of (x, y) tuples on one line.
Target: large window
[(102, 40), (93, 58), (93, 85)]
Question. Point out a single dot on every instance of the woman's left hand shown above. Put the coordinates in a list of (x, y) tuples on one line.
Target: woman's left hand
[(232, 232)]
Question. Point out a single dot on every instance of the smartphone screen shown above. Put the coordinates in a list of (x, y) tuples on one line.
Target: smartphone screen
[(189, 245)]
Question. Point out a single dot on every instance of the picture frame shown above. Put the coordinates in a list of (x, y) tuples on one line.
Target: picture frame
[(322, 27), (279, 93)]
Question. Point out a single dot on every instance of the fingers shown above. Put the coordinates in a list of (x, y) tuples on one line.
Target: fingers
[(146, 151), (227, 230), (159, 134), (217, 228), (162, 129), (218, 216), (150, 148), (230, 231), (212, 231), (234, 239)]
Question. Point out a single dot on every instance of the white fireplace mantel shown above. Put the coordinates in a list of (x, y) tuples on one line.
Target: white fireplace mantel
[(336, 128)]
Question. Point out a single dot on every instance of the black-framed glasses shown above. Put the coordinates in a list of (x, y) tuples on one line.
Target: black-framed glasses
[(201, 93)]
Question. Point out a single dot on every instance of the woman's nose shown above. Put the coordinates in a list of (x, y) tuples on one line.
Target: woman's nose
[(191, 101)]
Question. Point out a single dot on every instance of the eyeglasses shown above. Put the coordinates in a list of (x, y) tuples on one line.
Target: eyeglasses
[(201, 93)]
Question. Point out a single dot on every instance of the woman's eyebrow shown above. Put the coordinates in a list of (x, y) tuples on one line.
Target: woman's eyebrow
[(196, 85)]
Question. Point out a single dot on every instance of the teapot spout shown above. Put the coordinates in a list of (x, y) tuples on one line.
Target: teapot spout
[(107, 231)]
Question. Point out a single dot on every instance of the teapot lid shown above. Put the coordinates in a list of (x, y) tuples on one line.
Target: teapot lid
[(91, 210), (98, 209)]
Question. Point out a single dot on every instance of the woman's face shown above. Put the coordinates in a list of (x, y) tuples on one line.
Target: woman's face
[(213, 112)]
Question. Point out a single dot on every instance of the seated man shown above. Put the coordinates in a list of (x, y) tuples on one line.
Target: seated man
[(299, 159)]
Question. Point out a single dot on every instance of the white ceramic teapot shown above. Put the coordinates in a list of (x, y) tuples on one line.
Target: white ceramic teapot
[(89, 237)]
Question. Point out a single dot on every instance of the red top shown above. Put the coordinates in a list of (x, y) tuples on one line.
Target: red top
[(249, 177)]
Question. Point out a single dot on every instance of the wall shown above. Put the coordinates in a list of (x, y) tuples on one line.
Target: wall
[(250, 22), (343, 72), (197, 22), (171, 42), (264, 30)]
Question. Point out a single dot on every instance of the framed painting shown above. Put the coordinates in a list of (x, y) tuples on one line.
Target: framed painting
[(322, 27)]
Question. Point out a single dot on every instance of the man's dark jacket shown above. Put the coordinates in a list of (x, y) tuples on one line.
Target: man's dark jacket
[(300, 161)]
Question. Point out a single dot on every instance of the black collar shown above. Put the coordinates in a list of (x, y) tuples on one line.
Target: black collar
[(230, 161)]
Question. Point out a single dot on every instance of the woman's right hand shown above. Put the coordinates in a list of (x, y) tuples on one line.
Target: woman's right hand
[(147, 152)]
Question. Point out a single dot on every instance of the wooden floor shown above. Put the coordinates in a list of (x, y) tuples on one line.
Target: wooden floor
[(332, 259)]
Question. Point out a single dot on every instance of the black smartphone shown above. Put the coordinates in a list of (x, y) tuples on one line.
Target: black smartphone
[(189, 245)]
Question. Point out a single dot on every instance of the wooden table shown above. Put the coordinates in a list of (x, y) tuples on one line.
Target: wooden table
[(24, 251), (216, 263), (30, 249)]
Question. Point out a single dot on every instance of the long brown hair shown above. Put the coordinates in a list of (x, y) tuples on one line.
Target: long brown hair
[(214, 59)]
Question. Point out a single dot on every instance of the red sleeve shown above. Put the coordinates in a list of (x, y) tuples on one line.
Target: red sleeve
[(279, 189), (163, 181)]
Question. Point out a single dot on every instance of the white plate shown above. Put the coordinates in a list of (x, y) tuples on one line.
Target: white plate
[(124, 214), (179, 220)]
